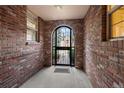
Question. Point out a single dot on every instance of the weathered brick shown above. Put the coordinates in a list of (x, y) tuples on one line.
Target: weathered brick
[(18, 61), (109, 54), (77, 27)]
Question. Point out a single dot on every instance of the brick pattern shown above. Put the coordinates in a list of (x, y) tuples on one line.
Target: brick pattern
[(104, 60), (76, 25), (18, 61)]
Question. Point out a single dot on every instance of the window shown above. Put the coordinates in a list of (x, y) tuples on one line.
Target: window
[(32, 26), (115, 21)]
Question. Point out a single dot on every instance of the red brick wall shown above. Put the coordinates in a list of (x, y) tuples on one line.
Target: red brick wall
[(104, 60), (76, 25), (18, 61)]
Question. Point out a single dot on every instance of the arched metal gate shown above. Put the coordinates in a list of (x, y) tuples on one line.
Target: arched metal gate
[(63, 51)]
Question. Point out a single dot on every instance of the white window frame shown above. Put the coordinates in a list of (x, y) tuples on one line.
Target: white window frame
[(34, 20)]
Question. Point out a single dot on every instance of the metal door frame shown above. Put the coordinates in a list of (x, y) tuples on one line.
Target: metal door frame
[(62, 48)]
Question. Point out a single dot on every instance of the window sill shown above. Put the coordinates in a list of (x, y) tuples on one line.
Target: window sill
[(31, 42), (116, 39)]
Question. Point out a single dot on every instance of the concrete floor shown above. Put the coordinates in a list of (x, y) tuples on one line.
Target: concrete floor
[(47, 78)]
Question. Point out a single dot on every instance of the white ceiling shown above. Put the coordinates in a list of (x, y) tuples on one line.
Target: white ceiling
[(50, 12)]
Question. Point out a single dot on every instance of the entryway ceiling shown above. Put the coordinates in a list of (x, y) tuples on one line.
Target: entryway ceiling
[(60, 12)]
